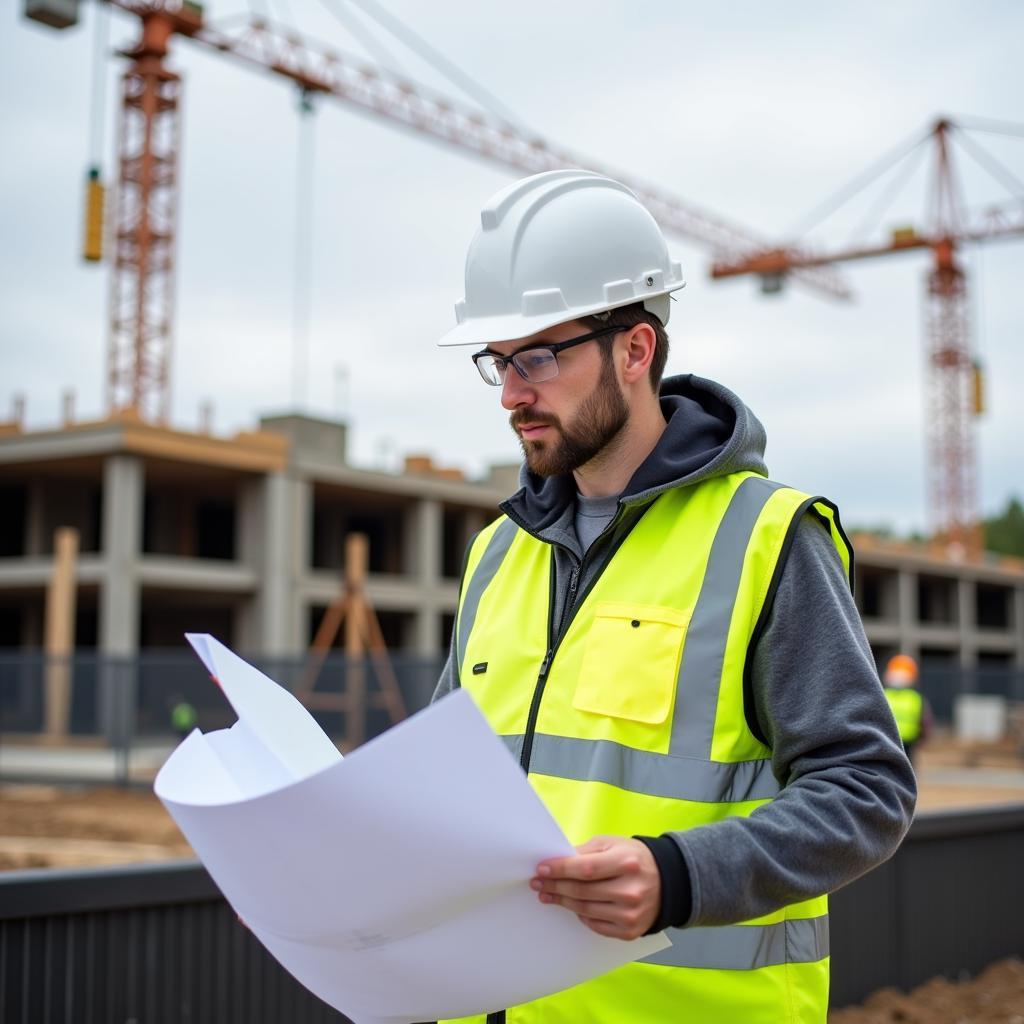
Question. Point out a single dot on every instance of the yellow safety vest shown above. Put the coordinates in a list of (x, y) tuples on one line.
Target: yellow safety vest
[(634, 724), (907, 706)]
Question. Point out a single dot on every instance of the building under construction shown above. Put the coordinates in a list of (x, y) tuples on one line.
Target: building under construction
[(240, 537)]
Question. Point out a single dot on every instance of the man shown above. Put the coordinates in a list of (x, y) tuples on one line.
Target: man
[(910, 709), (666, 640)]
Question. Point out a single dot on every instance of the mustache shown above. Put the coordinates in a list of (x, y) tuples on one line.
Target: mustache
[(521, 416)]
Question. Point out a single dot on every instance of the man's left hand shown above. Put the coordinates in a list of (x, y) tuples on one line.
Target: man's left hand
[(612, 885)]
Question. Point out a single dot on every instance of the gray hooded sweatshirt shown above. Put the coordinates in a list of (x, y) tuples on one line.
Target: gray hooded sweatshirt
[(848, 790)]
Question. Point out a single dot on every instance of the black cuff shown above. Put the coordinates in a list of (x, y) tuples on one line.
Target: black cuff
[(676, 893)]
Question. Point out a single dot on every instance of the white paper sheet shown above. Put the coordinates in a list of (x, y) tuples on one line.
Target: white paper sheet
[(393, 883)]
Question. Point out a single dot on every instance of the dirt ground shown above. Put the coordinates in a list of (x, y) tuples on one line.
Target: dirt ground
[(996, 996), (49, 826)]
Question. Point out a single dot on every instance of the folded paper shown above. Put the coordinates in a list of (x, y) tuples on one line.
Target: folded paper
[(393, 883)]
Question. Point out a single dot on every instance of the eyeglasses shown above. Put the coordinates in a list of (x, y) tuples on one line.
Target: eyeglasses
[(534, 363)]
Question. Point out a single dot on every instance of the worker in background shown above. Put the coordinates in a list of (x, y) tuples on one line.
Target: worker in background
[(183, 718), (910, 709), (664, 638)]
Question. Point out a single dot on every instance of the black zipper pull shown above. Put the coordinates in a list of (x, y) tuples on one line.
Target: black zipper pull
[(545, 666), (574, 579)]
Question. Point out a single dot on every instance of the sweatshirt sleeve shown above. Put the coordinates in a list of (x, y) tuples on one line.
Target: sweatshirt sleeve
[(848, 790), (448, 680)]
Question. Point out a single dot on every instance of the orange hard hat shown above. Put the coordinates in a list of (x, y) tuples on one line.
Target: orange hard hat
[(901, 670)]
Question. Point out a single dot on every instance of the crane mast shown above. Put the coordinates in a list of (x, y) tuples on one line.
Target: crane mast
[(951, 402), (144, 222)]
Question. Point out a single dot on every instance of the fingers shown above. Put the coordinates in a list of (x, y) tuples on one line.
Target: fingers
[(622, 889), (593, 865)]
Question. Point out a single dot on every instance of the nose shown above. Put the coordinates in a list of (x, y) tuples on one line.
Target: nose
[(515, 391)]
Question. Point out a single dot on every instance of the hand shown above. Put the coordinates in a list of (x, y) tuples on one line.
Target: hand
[(612, 885)]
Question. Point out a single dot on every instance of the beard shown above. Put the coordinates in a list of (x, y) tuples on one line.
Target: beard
[(597, 423)]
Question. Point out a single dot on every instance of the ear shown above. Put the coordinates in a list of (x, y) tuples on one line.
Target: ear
[(638, 351)]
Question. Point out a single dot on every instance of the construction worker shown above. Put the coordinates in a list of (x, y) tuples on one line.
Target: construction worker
[(665, 639), (183, 718), (909, 708)]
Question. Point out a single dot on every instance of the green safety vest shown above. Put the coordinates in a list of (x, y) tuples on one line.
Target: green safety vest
[(639, 728), (907, 707), (183, 716)]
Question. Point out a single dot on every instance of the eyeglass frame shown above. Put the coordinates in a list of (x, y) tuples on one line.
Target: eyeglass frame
[(553, 346)]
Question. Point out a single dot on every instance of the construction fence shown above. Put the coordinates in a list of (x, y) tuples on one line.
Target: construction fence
[(116, 721), (115, 716)]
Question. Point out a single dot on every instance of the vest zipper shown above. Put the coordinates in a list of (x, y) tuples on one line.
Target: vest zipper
[(545, 666), (555, 638), (542, 675)]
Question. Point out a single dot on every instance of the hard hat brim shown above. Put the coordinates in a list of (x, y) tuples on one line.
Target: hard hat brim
[(484, 330)]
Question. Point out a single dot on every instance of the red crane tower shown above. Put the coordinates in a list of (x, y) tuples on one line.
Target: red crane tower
[(146, 198), (953, 378)]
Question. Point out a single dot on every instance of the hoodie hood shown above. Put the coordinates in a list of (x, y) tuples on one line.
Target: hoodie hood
[(709, 433)]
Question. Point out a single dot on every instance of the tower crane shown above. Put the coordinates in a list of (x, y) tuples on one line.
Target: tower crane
[(954, 381), (145, 205)]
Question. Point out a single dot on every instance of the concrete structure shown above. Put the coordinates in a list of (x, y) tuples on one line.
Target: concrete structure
[(917, 600), (241, 537), (244, 538)]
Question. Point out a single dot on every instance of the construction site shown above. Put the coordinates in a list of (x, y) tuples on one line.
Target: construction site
[(252, 447)]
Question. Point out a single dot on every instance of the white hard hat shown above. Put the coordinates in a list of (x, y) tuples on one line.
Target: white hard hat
[(559, 246)]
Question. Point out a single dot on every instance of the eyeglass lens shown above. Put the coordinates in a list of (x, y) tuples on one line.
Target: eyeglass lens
[(534, 366)]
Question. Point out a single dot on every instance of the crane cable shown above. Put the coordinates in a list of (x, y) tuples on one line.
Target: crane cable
[(858, 184), (95, 191), (441, 64), (987, 124), (898, 182), (373, 46), (989, 163), (302, 281)]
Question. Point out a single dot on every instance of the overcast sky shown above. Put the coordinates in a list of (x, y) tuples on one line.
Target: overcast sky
[(754, 111)]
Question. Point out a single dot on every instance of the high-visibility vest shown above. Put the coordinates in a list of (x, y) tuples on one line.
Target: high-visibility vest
[(183, 717), (907, 708), (636, 725)]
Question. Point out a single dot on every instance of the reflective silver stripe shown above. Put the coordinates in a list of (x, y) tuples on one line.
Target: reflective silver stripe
[(700, 672), (641, 771), (497, 548), (515, 745), (745, 947)]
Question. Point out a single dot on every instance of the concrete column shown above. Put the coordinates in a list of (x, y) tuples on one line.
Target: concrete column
[(123, 492), (249, 533), (120, 598), (967, 621), (1018, 625), (283, 526), (907, 612), (301, 558), (426, 535), (35, 519)]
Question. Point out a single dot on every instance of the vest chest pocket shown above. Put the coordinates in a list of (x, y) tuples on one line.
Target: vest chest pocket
[(630, 662)]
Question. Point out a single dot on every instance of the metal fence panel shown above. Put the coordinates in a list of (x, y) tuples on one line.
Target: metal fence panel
[(946, 904), (942, 683), (153, 944), (122, 706)]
